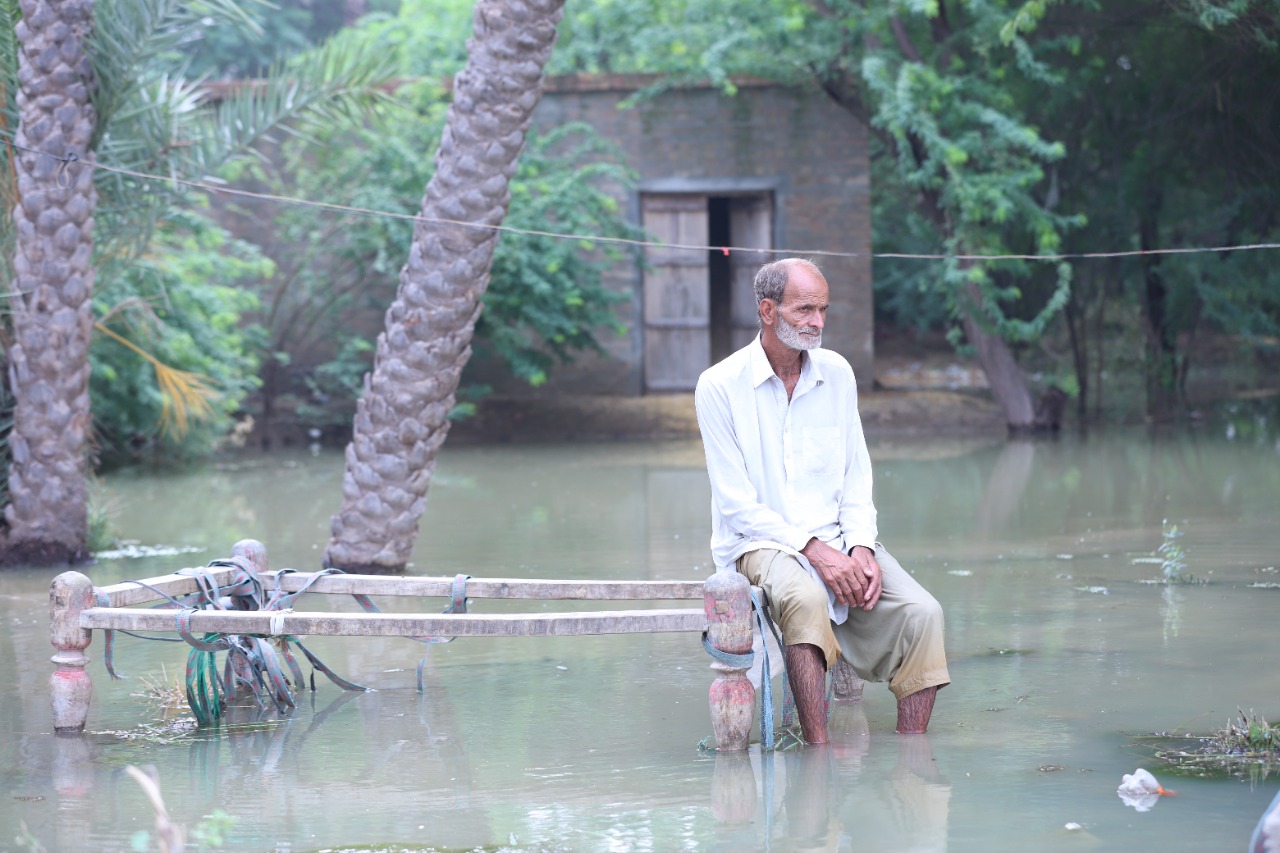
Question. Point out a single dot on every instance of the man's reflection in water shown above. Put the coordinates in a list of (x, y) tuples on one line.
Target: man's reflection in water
[(840, 797)]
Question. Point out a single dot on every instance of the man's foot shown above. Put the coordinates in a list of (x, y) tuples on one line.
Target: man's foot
[(915, 710), (807, 670)]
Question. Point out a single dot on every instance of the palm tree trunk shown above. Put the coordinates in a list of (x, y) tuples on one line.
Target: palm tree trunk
[(50, 293), (402, 417)]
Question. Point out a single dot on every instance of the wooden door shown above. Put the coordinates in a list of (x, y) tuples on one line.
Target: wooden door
[(677, 293), (750, 226)]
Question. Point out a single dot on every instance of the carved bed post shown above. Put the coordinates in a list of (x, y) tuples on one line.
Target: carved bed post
[(253, 551), (727, 601), (70, 688)]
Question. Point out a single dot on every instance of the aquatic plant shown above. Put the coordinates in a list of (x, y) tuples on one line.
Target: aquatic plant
[(1172, 554), (1247, 745), (1171, 557), (167, 693), (1249, 735)]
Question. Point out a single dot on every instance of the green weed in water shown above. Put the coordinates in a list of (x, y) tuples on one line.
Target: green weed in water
[(1247, 746), (1172, 558)]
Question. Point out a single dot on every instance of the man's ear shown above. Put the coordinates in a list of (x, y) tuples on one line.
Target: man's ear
[(768, 312)]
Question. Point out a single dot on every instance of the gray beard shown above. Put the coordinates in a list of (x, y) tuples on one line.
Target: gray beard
[(792, 337)]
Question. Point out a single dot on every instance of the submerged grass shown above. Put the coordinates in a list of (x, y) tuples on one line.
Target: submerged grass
[(1247, 746), (163, 692)]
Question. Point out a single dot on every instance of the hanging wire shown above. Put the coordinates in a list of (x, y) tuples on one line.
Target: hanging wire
[(205, 186)]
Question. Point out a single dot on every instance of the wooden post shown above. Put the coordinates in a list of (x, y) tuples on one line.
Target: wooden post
[(253, 551), (727, 601), (733, 789), (70, 688), (846, 686)]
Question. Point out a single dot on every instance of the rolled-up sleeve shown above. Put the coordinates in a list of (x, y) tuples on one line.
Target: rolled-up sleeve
[(737, 501)]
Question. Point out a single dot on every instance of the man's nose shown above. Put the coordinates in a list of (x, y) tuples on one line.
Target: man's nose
[(818, 321)]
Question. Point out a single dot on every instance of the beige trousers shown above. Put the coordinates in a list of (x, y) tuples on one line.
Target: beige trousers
[(900, 640)]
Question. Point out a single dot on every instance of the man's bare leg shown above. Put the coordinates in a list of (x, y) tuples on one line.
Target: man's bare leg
[(915, 710), (807, 670)]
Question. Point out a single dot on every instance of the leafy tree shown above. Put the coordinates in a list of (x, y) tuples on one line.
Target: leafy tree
[(97, 84), (1172, 142), (937, 84), (183, 305), (335, 274)]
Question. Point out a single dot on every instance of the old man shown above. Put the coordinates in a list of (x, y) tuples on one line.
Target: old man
[(792, 511)]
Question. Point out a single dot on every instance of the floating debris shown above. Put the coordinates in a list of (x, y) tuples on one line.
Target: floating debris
[(1093, 590), (132, 549), (1140, 790), (960, 573)]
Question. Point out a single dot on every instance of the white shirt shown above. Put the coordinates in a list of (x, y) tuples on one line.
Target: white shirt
[(784, 472)]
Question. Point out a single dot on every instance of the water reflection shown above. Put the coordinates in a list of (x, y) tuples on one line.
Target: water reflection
[(838, 797), (590, 743)]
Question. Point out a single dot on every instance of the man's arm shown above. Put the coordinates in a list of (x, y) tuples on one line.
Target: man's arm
[(857, 510), (731, 488), (857, 514)]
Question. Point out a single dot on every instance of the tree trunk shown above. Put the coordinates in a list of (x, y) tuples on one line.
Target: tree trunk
[(402, 417), (1161, 367), (47, 516), (1004, 376)]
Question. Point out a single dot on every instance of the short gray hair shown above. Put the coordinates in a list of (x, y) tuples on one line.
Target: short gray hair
[(771, 280)]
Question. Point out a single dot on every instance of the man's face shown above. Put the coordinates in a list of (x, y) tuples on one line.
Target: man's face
[(803, 311)]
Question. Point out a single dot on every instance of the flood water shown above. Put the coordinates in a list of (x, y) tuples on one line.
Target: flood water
[(1060, 656)]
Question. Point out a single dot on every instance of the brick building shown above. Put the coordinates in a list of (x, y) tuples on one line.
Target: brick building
[(771, 167)]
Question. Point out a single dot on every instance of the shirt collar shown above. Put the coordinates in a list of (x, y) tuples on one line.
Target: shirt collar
[(761, 370)]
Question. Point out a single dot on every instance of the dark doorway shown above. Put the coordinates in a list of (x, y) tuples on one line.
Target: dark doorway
[(720, 275), (698, 304)]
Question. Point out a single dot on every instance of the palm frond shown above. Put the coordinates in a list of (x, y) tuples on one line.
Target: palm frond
[(168, 126), (134, 39), (10, 14), (185, 396), (343, 82)]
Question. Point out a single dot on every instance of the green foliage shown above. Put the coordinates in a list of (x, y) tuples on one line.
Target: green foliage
[(212, 830), (1173, 557), (336, 274), (154, 120), (182, 302), (166, 280), (1206, 179), (546, 300), (1249, 734), (959, 167)]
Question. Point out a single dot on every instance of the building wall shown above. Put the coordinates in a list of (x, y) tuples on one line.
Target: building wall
[(797, 145)]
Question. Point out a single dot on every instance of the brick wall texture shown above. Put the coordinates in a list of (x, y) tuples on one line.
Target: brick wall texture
[(795, 144)]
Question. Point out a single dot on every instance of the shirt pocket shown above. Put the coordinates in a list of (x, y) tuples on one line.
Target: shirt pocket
[(821, 449)]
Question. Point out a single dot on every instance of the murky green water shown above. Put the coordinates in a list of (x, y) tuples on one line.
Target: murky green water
[(1059, 655)]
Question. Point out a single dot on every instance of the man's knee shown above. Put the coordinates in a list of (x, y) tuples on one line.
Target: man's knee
[(805, 602), (924, 616)]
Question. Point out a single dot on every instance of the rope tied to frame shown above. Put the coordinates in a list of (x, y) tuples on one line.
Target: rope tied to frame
[(252, 659), (764, 622), (457, 604)]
